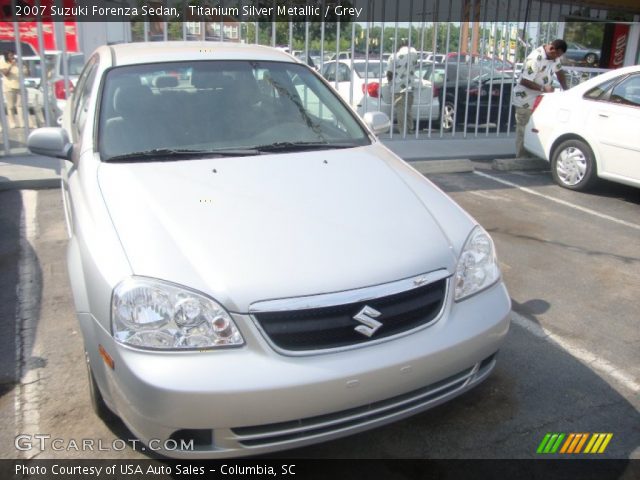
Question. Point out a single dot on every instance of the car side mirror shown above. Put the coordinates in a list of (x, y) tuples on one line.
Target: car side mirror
[(378, 122), (50, 142)]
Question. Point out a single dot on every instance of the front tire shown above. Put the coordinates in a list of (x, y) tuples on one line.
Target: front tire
[(573, 165)]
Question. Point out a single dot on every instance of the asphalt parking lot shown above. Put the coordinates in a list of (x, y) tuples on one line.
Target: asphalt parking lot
[(571, 362)]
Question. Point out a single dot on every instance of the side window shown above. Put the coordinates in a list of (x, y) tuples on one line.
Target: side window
[(597, 92), (627, 92), (83, 98)]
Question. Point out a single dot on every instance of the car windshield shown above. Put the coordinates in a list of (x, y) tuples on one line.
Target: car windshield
[(226, 108)]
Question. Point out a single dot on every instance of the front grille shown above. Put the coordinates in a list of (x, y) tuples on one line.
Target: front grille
[(334, 326)]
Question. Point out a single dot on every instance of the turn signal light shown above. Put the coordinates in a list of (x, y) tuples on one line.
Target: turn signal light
[(106, 357)]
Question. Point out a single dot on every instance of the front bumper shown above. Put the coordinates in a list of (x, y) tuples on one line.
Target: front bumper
[(253, 400)]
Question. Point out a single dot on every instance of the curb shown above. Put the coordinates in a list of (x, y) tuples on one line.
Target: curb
[(455, 165), (506, 164), (33, 184)]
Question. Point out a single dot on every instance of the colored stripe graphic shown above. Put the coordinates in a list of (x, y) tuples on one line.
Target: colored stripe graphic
[(543, 443), (574, 443), (550, 443), (599, 442)]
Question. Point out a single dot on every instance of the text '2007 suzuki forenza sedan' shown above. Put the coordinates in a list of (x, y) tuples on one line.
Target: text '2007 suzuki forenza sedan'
[(251, 268)]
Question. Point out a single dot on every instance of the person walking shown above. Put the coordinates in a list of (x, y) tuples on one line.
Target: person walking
[(11, 88), (535, 79), (401, 69)]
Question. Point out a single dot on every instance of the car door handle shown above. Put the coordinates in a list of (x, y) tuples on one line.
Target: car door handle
[(603, 115)]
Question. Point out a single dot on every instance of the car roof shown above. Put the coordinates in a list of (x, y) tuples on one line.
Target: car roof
[(152, 52)]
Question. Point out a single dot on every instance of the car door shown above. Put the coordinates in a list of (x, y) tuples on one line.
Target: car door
[(615, 125)]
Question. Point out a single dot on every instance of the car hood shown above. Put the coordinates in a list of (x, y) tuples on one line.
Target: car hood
[(246, 229)]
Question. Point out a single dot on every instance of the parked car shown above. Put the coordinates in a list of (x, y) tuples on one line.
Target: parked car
[(75, 63), (346, 55), (367, 89), (485, 61), (498, 64), (579, 54), (590, 131), (264, 273), (473, 94), (435, 58), (348, 77), (26, 49)]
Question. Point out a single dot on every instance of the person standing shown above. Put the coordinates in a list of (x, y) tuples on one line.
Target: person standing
[(535, 79), (401, 70), (11, 87)]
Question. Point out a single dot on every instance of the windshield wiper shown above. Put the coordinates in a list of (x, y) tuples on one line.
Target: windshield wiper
[(170, 154), (299, 146)]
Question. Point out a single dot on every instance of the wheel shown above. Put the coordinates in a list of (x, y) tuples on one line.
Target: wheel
[(97, 402), (573, 165), (590, 58), (448, 116)]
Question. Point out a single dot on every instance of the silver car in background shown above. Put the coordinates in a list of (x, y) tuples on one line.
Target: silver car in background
[(263, 273)]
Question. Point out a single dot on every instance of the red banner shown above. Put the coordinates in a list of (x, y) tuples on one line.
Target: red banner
[(618, 45), (29, 34)]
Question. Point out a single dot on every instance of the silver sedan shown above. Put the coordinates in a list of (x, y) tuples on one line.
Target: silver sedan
[(252, 269)]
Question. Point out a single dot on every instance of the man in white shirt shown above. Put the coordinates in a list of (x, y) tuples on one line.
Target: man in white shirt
[(401, 70), (537, 75)]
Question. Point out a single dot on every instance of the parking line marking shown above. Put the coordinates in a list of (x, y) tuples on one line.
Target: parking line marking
[(592, 361), (557, 200), (490, 197), (27, 393)]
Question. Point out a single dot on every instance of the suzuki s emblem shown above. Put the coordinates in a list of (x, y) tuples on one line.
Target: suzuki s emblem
[(366, 316)]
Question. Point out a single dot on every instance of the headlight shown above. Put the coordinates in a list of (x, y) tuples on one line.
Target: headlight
[(154, 314), (477, 266)]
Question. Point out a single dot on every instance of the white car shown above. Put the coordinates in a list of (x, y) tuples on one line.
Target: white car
[(590, 131), (349, 77), (366, 88)]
